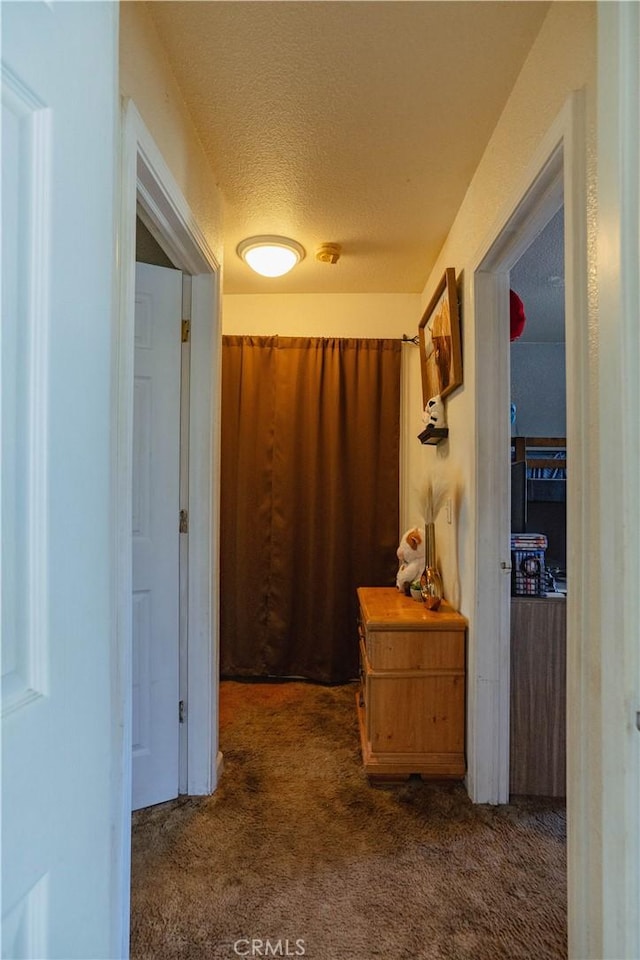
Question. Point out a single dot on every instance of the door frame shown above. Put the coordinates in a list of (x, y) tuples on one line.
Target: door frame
[(610, 898), (148, 189), (557, 174)]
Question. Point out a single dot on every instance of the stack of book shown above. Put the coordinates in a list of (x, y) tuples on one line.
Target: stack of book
[(528, 541), (528, 578)]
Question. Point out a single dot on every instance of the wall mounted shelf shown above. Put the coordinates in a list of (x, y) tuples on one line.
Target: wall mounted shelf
[(433, 435)]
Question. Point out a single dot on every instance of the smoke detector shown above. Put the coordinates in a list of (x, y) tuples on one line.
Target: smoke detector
[(328, 252)]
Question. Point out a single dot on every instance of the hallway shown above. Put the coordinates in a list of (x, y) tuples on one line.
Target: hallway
[(298, 851)]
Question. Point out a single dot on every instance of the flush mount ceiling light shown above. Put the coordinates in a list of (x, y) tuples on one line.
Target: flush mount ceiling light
[(270, 256)]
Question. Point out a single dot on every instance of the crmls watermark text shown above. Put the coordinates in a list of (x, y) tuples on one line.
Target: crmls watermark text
[(255, 947)]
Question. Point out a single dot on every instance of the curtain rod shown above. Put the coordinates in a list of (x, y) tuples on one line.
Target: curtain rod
[(406, 339)]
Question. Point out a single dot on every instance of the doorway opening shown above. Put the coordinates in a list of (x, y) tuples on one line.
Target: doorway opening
[(489, 736), (555, 177), (538, 448), (149, 190)]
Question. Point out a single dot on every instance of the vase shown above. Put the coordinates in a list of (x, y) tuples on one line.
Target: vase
[(431, 581)]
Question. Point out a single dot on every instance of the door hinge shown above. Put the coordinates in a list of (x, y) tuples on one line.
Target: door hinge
[(184, 521), (181, 712), (186, 330)]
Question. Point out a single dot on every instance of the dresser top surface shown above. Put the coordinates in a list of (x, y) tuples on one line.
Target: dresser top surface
[(385, 608)]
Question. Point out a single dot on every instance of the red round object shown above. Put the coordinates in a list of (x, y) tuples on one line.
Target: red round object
[(518, 318)]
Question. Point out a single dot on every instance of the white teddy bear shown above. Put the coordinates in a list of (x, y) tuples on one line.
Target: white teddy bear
[(410, 553)]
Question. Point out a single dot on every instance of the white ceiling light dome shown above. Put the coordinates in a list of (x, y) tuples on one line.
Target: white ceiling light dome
[(271, 256)]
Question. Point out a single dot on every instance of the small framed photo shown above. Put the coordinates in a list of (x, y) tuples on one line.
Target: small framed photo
[(439, 335)]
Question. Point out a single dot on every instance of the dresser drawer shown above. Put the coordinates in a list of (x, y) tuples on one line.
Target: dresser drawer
[(415, 650)]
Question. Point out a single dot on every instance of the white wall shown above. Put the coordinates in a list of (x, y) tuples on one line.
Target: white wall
[(538, 389), (146, 77), (562, 59), (322, 315)]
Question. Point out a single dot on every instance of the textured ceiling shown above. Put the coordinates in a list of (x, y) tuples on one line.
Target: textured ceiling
[(538, 279), (358, 123)]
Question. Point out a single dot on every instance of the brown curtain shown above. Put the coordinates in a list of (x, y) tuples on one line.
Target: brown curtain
[(310, 478)]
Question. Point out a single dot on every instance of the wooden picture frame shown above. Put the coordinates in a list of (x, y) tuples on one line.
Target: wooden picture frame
[(439, 336)]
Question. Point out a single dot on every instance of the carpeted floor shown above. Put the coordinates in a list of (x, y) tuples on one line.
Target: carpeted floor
[(296, 854)]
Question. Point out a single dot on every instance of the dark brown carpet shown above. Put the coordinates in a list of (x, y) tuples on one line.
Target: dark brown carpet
[(298, 852)]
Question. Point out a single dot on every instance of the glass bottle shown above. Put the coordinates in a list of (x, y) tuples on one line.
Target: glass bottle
[(431, 581)]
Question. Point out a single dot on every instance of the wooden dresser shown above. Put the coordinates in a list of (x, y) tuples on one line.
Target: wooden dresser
[(411, 701)]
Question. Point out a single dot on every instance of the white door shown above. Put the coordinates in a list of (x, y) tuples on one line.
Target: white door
[(59, 124), (156, 510)]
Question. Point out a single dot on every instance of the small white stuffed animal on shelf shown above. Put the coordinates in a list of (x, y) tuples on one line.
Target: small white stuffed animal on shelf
[(434, 414), (434, 417), (410, 553)]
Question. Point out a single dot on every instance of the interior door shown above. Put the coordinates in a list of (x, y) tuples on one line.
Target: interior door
[(156, 509), (59, 123)]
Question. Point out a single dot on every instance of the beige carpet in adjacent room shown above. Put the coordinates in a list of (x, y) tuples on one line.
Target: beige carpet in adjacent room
[(296, 854)]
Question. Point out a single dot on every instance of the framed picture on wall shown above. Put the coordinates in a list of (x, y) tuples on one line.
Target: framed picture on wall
[(439, 335)]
